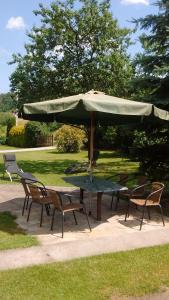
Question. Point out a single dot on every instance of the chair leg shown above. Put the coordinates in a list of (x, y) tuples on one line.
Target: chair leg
[(112, 200), (127, 211), (9, 175), (47, 207), (53, 216), (75, 217), (27, 202), (141, 223), (23, 209), (41, 216), (117, 201), (148, 211), (30, 206), (162, 216), (62, 224), (84, 209)]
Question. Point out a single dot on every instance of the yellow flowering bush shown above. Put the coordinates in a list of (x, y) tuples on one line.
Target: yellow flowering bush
[(17, 136), (69, 139)]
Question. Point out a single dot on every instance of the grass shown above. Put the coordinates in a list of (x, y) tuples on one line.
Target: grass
[(5, 147), (49, 166), (136, 273), (11, 235)]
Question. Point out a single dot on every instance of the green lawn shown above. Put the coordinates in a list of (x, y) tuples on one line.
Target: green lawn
[(48, 166), (11, 236), (136, 272)]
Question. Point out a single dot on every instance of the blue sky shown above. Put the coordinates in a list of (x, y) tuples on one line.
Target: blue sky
[(17, 17)]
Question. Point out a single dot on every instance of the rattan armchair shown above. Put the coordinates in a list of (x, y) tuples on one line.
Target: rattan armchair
[(39, 195), (120, 178), (137, 191), (64, 208), (153, 199)]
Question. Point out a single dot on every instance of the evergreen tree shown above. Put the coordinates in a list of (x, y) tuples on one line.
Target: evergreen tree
[(152, 66)]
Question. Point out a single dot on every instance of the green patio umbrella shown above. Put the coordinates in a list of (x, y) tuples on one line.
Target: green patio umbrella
[(90, 109)]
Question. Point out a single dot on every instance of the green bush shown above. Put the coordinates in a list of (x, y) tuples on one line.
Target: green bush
[(69, 139), (8, 120), (151, 150), (17, 136), (105, 137), (33, 130)]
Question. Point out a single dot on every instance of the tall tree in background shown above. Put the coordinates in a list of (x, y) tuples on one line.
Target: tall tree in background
[(152, 66), (7, 102), (152, 84), (76, 48)]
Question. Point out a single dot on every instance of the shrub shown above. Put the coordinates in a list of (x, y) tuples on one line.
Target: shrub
[(151, 150), (69, 139), (8, 120), (17, 136), (33, 130), (105, 137)]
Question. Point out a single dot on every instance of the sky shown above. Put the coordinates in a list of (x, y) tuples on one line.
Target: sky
[(17, 18)]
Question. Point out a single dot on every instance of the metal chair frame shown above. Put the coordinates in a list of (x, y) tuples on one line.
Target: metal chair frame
[(148, 201), (72, 207)]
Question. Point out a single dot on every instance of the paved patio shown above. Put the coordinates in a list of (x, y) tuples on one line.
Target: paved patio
[(109, 235)]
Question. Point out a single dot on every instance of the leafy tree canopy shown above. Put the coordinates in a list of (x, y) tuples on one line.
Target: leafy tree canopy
[(152, 66), (7, 102), (73, 51)]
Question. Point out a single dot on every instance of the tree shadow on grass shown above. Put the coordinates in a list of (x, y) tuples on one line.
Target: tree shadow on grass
[(43, 167), (110, 154)]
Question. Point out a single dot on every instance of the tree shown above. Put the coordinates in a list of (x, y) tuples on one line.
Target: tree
[(7, 102), (151, 83), (152, 66), (75, 49)]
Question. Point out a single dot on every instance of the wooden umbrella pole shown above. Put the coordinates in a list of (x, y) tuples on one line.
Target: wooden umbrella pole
[(92, 128)]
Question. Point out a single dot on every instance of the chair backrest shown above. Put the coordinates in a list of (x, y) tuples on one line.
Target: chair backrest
[(9, 157), (123, 178), (156, 192), (141, 183), (55, 198), (10, 163), (141, 180), (36, 192), (25, 186)]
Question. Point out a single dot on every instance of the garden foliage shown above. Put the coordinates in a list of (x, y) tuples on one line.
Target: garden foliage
[(17, 136), (33, 130), (76, 47), (151, 149), (69, 139)]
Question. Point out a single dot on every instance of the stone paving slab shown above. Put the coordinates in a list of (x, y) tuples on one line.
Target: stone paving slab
[(36, 255), (109, 235)]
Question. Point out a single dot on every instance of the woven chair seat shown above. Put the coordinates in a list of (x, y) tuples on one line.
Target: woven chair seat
[(72, 206), (141, 202)]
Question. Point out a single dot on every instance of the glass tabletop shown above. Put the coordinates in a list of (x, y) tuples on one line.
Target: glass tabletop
[(96, 185)]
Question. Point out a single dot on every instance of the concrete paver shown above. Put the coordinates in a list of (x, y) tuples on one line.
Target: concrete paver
[(109, 235)]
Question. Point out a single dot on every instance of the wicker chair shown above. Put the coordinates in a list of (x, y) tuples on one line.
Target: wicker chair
[(24, 182), (120, 178), (153, 199), (40, 195), (138, 191), (64, 208)]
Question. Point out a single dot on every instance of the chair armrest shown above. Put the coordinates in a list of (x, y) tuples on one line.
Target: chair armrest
[(69, 197), (137, 188)]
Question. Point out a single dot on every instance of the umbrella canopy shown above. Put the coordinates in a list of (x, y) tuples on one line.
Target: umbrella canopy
[(90, 109), (75, 109)]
